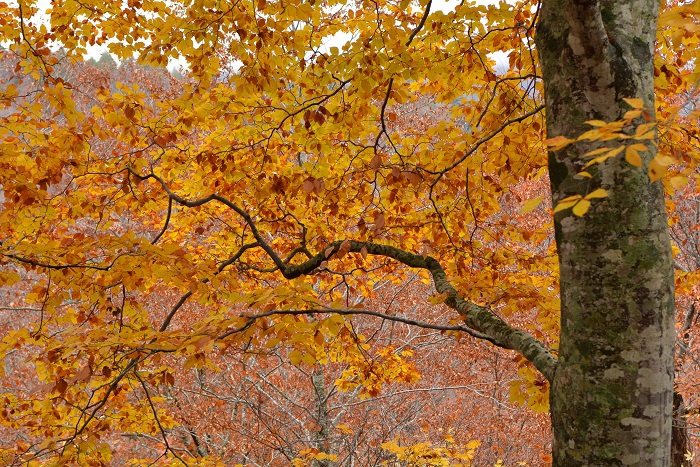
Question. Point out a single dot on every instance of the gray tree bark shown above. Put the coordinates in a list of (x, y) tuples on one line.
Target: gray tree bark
[(612, 390)]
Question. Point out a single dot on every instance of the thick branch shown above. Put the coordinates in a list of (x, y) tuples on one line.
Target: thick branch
[(478, 318)]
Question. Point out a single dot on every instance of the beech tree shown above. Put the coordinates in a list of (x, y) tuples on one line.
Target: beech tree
[(313, 149), (612, 389)]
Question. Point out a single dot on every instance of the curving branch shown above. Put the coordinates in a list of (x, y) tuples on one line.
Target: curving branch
[(347, 312), (483, 140), (476, 317), (59, 267), (279, 262), (166, 322), (420, 24), (165, 224)]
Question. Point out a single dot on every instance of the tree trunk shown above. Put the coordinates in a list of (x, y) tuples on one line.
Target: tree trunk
[(612, 392)]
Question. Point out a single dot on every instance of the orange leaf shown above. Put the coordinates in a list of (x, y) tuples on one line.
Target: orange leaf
[(632, 156), (656, 170), (558, 142)]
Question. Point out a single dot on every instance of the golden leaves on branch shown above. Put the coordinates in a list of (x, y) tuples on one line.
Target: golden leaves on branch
[(580, 204), (633, 141)]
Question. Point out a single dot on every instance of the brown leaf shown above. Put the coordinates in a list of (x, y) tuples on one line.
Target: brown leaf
[(426, 250), (413, 178), (379, 221), (363, 252), (61, 386), (308, 185), (83, 374), (343, 249)]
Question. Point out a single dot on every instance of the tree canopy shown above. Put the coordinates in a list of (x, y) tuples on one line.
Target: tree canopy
[(308, 152)]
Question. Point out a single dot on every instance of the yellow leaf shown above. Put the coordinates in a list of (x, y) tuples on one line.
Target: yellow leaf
[(644, 129), (599, 193), (531, 204), (675, 18), (632, 156), (581, 207), (635, 103), (345, 429), (604, 157), (615, 151), (437, 298), (678, 181), (295, 357), (595, 152), (332, 326), (647, 135), (570, 198), (638, 146), (664, 160), (599, 123), (656, 170), (308, 359), (564, 205), (591, 135), (473, 444)]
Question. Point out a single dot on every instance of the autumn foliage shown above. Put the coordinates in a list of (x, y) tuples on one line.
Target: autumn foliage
[(243, 262)]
